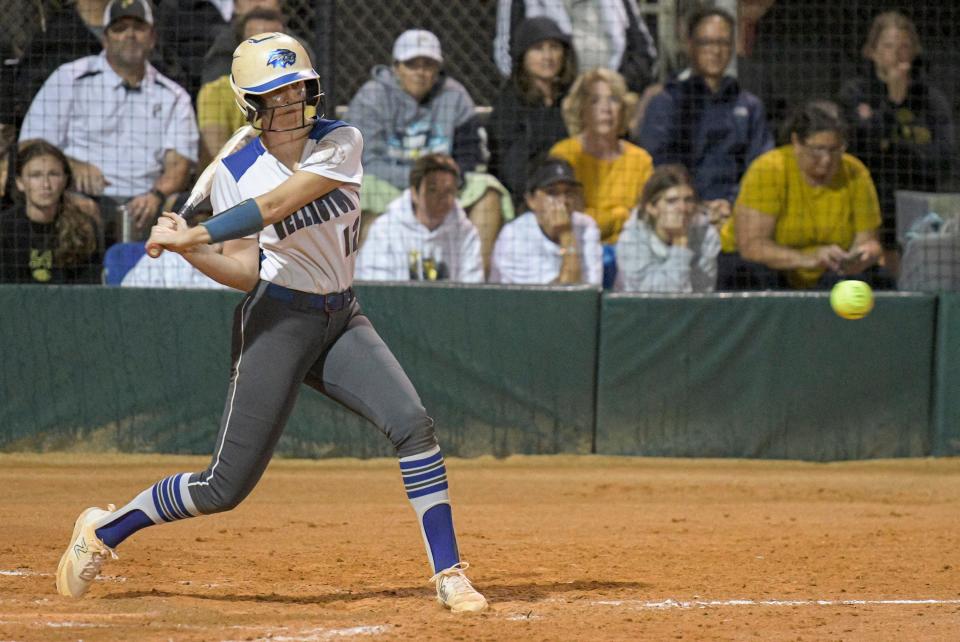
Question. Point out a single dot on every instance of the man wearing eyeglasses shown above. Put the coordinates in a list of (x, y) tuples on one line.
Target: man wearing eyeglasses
[(129, 131), (704, 120)]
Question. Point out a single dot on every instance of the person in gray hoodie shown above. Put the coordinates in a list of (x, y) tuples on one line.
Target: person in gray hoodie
[(411, 109)]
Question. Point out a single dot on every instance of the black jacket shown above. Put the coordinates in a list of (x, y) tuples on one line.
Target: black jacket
[(26, 253), (519, 135), (906, 146)]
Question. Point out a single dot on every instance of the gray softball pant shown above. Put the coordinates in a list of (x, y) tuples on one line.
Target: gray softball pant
[(281, 339)]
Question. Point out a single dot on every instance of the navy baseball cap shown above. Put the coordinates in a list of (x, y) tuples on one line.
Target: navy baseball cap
[(116, 9), (550, 172)]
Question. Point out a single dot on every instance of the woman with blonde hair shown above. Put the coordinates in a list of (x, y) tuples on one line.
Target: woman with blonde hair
[(49, 235), (612, 170)]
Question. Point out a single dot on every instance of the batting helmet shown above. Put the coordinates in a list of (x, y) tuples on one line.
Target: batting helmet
[(269, 61)]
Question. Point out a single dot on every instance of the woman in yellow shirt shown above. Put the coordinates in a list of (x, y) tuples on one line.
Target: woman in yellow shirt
[(612, 171), (807, 214)]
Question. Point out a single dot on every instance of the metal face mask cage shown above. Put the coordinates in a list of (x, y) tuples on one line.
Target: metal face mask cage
[(260, 116)]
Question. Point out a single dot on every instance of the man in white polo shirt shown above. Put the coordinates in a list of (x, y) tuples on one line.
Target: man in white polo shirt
[(552, 243), (129, 131), (424, 234)]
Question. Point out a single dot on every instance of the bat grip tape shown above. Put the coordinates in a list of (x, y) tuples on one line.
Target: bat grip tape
[(243, 219)]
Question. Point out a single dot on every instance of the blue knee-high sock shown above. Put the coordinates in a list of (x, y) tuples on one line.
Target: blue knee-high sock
[(425, 480), (166, 501)]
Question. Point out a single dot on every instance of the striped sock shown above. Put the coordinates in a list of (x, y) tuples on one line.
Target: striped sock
[(166, 501), (425, 480)]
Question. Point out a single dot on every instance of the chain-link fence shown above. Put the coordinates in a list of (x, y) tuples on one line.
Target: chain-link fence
[(892, 132), (365, 32)]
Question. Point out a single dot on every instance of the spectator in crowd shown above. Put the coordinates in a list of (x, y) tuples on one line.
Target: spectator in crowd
[(612, 170), (668, 244), (807, 214), (551, 242), (901, 126), (169, 270), (424, 235), (605, 33), (526, 119), (71, 30), (704, 120), (217, 113), (186, 28), (128, 130), (22, 18), (219, 57), (49, 235), (414, 109)]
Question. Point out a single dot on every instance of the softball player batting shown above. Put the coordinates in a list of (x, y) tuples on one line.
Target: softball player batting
[(292, 197)]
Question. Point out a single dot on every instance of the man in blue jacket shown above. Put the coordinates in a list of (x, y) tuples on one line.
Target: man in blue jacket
[(703, 120)]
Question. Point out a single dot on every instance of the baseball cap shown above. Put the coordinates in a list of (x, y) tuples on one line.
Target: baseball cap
[(550, 172), (416, 43), (117, 9)]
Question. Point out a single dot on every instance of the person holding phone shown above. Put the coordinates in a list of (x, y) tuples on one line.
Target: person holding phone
[(807, 214)]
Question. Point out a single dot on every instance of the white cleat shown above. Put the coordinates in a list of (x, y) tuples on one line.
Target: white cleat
[(81, 562), (455, 591)]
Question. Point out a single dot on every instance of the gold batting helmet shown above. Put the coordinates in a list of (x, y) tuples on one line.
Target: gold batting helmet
[(269, 61)]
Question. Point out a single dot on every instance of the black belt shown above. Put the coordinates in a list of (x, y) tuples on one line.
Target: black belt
[(333, 302)]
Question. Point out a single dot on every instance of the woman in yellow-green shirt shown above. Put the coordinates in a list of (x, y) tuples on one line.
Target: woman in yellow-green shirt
[(612, 171), (807, 214)]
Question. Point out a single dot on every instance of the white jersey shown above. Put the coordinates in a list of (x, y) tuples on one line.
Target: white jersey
[(313, 249)]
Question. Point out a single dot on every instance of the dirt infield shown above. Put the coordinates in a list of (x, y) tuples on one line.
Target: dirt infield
[(565, 548)]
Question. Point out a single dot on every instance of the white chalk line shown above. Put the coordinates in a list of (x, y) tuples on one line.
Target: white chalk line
[(318, 634), (29, 573), (668, 604), (20, 573)]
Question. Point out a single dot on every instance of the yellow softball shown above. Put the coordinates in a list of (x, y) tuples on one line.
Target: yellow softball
[(851, 299)]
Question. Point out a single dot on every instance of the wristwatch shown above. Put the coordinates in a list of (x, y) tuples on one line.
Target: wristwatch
[(156, 192)]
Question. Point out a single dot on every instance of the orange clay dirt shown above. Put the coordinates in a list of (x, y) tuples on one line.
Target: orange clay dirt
[(565, 548)]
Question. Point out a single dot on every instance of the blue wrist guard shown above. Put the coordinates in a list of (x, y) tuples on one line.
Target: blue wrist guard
[(241, 220)]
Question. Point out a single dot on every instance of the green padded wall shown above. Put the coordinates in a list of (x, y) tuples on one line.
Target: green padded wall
[(108, 368), (501, 370), (946, 407), (770, 376)]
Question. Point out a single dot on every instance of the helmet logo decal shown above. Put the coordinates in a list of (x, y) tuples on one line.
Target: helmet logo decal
[(280, 58), (257, 41)]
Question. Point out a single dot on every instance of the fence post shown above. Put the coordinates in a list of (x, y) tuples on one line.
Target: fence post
[(326, 12)]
